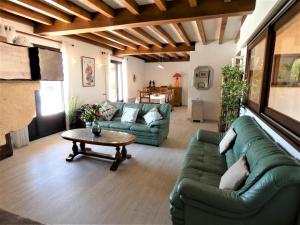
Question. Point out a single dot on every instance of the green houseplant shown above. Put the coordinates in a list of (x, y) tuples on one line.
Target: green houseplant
[(234, 89), (73, 103)]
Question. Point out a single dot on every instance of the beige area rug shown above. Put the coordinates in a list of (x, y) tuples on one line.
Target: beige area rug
[(39, 184)]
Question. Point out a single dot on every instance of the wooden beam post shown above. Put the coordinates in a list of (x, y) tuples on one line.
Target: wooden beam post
[(131, 5), (163, 34), (71, 8), (151, 39), (26, 13), (44, 9), (161, 4), (149, 15), (222, 29), (201, 31), (100, 6), (180, 31), (156, 50)]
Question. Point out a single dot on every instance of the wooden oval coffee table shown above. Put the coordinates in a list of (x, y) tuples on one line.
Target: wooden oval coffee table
[(107, 138)]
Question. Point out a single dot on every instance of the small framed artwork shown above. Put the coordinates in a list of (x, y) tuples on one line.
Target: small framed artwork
[(88, 71)]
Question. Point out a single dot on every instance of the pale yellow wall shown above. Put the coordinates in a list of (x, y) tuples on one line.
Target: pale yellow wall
[(17, 103), (286, 100)]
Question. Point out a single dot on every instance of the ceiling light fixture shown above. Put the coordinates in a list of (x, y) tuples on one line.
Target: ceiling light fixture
[(160, 65)]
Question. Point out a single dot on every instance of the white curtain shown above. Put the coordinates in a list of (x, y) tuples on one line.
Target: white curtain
[(20, 138)]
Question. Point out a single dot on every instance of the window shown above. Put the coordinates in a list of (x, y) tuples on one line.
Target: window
[(256, 70), (273, 71), (284, 95), (115, 81), (51, 94)]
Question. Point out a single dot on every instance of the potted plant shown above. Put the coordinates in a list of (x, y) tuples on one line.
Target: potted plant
[(234, 89), (89, 114), (72, 112)]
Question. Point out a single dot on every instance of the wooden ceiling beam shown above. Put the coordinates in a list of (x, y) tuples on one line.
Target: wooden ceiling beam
[(26, 13), (151, 39), (193, 3), (180, 31), (100, 6), (101, 40), (185, 54), (78, 38), (237, 36), (131, 5), (222, 29), (149, 15), (163, 34), (71, 8), (183, 59), (116, 39), (9, 16), (131, 38), (44, 9), (201, 31), (161, 4), (156, 50)]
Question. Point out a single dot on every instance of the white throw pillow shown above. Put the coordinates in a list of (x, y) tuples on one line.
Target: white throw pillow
[(235, 175), (152, 115), (129, 115), (227, 140)]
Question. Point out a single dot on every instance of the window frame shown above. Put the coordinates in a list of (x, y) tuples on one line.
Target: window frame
[(285, 126)]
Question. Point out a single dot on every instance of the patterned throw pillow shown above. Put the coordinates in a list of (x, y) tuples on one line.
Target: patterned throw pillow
[(108, 111), (152, 115), (129, 115)]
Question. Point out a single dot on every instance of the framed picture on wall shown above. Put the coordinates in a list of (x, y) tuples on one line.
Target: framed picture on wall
[(88, 71)]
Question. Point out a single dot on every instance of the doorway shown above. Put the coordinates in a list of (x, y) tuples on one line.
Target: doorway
[(115, 81)]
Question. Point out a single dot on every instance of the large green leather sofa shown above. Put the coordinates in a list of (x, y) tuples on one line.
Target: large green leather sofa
[(269, 196), (154, 134)]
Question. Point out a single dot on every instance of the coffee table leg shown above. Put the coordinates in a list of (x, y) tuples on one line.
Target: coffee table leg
[(124, 153), (118, 159), (75, 152)]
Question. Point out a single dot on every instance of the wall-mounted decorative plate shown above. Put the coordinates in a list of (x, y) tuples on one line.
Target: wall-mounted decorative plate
[(202, 77)]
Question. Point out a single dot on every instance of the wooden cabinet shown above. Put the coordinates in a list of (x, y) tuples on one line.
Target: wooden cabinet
[(177, 96), (7, 149)]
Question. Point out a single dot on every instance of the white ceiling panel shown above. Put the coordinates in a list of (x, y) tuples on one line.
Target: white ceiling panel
[(168, 28), (153, 34), (137, 35), (212, 28), (190, 31), (232, 28)]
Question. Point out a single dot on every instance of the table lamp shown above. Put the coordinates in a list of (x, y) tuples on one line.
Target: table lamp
[(177, 76)]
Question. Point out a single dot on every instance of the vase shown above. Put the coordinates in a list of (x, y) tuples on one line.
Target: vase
[(88, 124), (96, 129)]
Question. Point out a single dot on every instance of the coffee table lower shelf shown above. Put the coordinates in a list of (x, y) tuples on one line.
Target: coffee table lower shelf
[(117, 158)]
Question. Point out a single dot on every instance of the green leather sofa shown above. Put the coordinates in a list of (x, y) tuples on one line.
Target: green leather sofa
[(269, 196), (154, 134)]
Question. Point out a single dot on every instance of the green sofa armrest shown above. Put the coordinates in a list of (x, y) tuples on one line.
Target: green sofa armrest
[(210, 198), (159, 123), (209, 136)]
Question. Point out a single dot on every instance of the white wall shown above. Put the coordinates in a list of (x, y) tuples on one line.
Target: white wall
[(263, 8), (165, 76), (73, 51), (216, 56), (133, 66)]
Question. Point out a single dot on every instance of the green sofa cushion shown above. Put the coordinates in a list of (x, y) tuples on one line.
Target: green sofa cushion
[(105, 123), (143, 128), (120, 125)]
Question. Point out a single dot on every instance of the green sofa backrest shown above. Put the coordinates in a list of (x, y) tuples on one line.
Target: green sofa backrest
[(248, 131), (269, 165), (164, 109)]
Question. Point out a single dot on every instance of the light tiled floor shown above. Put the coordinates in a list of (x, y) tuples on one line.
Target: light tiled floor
[(38, 183)]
